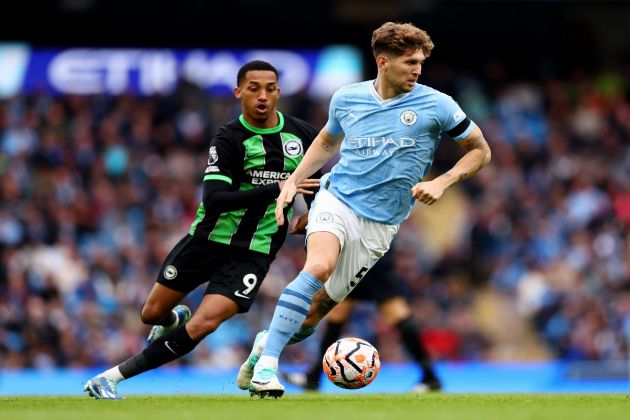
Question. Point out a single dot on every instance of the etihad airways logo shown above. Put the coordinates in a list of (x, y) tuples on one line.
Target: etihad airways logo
[(376, 146), (260, 177)]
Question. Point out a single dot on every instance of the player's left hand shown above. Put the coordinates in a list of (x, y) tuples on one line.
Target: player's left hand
[(428, 192), (307, 186), (299, 227)]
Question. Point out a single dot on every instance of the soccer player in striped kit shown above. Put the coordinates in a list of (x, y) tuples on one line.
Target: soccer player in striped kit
[(234, 237)]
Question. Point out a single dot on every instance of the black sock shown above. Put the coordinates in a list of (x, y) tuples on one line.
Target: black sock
[(332, 331), (410, 335), (167, 348), (168, 319)]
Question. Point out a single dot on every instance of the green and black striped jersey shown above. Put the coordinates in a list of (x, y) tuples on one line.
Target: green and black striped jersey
[(248, 158)]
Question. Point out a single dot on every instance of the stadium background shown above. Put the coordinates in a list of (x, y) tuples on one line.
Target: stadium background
[(527, 262)]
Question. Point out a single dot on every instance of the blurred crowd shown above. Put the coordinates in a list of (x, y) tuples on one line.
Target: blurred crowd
[(94, 191)]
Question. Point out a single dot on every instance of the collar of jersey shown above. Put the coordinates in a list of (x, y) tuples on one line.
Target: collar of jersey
[(257, 130), (386, 102)]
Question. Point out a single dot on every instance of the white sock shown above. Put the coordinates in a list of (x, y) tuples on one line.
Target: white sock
[(113, 375), (260, 346), (267, 361)]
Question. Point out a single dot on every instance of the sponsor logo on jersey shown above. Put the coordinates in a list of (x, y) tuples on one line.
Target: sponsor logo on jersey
[(379, 146), (261, 177), (408, 117), (170, 272), (293, 148)]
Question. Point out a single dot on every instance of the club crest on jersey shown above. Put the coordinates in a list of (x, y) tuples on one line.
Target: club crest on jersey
[(324, 217), (408, 117), (213, 157), (292, 148), (170, 272)]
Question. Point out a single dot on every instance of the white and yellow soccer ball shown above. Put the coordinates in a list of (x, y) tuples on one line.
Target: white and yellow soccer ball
[(351, 363)]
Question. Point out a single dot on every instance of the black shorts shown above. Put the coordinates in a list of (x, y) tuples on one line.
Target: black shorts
[(381, 283), (230, 272)]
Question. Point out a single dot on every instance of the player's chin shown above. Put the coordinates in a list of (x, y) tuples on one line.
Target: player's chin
[(407, 87), (261, 117)]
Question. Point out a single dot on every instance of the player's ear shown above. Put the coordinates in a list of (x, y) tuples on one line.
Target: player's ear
[(381, 61), (237, 93)]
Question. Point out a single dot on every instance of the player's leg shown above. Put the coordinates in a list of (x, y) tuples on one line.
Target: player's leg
[(335, 321), (160, 311), (213, 310), (293, 305), (396, 312), (320, 306), (173, 283), (186, 267), (339, 245)]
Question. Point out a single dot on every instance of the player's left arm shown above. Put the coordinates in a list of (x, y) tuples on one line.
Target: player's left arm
[(477, 156)]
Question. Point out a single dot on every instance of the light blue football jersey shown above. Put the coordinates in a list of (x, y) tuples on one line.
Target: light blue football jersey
[(388, 146)]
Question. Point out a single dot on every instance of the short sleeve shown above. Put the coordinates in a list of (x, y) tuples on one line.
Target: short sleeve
[(333, 125), (450, 115), (221, 157)]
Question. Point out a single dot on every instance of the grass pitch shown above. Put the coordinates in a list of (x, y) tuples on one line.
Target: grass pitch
[(323, 407)]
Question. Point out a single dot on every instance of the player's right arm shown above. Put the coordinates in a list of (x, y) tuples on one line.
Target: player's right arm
[(225, 165), (321, 151)]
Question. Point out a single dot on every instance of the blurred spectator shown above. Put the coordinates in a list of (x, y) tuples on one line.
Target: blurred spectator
[(95, 190)]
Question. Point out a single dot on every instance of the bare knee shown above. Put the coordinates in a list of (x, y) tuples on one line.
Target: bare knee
[(321, 270), (152, 314)]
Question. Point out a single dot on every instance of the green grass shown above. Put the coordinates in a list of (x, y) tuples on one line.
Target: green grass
[(323, 407)]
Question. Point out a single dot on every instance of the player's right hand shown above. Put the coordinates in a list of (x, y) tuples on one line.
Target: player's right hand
[(289, 189)]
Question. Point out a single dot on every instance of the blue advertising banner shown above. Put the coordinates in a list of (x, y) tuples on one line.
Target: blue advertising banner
[(143, 72)]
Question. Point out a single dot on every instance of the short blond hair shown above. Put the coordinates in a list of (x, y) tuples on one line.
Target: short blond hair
[(396, 38)]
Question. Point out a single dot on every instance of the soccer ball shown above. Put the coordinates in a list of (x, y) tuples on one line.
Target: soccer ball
[(351, 363)]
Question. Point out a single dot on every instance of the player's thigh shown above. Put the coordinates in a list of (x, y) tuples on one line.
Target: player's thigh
[(239, 278), (360, 252), (329, 221), (323, 250), (185, 267), (189, 264)]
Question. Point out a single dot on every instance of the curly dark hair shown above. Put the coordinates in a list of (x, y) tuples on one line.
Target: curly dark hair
[(396, 38)]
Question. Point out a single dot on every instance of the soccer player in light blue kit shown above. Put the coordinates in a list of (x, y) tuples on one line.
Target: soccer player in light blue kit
[(387, 131)]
